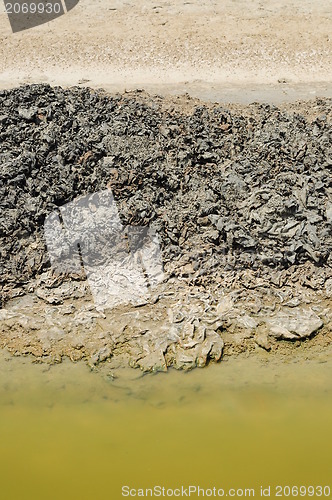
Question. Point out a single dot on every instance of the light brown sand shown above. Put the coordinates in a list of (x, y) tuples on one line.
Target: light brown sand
[(212, 49)]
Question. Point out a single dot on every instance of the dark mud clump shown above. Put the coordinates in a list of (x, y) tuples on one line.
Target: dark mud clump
[(238, 197)]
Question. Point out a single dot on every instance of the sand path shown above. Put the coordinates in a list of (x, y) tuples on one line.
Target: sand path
[(219, 50)]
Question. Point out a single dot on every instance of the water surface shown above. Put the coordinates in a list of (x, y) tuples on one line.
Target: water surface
[(67, 432)]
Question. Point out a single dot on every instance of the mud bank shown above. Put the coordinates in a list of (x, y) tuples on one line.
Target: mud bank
[(240, 197), (182, 326)]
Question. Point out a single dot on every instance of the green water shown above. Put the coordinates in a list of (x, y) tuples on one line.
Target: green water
[(68, 433)]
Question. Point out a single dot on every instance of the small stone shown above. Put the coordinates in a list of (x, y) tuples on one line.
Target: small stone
[(294, 325), (329, 212), (262, 340), (328, 287), (185, 359), (27, 114), (246, 321), (154, 362)]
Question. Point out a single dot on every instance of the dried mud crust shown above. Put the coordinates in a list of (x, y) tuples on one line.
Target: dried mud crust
[(180, 325), (241, 198)]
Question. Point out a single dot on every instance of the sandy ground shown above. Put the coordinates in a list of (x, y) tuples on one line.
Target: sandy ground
[(217, 50)]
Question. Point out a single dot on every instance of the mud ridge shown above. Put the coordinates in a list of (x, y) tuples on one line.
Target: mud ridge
[(241, 199)]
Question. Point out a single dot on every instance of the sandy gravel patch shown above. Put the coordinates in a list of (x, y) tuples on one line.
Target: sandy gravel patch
[(203, 47)]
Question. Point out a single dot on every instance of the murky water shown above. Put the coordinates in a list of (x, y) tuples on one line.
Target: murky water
[(69, 433)]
